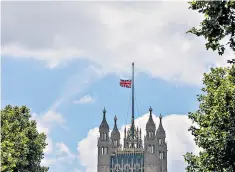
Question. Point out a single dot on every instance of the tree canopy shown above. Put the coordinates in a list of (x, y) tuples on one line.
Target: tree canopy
[(218, 24), (21, 144), (215, 119)]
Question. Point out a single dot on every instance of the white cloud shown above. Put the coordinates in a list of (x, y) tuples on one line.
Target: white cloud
[(48, 120), (42, 127), (111, 35), (87, 149), (49, 147), (48, 161), (45, 123), (76, 84), (85, 99), (53, 117), (64, 154), (179, 142), (63, 148)]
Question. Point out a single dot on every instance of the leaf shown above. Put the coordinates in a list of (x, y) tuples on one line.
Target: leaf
[(215, 119), (218, 24), (21, 144)]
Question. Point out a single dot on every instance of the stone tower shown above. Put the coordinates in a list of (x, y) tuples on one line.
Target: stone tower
[(155, 147), (115, 137), (103, 146), (162, 146), (132, 156), (150, 145)]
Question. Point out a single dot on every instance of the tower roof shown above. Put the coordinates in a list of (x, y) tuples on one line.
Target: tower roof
[(104, 125), (160, 129), (115, 133), (150, 124)]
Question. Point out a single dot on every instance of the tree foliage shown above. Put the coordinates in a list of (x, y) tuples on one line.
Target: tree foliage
[(21, 144), (218, 23), (215, 119)]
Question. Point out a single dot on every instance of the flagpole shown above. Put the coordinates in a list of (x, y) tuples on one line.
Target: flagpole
[(133, 98)]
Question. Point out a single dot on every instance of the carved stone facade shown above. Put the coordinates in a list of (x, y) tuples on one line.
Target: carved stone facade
[(133, 156)]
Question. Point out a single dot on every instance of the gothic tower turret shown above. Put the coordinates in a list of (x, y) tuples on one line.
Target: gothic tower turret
[(150, 145), (103, 145), (115, 136), (162, 146)]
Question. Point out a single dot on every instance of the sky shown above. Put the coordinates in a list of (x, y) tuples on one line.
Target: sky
[(64, 61)]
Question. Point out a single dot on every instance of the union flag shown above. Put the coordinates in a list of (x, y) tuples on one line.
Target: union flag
[(125, 83)]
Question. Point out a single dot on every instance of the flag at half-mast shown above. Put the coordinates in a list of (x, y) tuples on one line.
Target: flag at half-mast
[(125, 83)]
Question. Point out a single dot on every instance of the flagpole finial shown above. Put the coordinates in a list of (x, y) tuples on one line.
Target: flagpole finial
[(104, 111), (132, 63)]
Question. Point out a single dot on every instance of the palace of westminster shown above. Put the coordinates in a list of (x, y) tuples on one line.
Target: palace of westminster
[(133, 156)]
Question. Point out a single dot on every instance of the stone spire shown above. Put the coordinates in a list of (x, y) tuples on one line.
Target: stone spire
[(104, 125), (160, 130), (115, 133), (150, 124), (103, 145)]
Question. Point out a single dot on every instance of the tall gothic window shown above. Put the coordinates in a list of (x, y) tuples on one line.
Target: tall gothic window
[(105, 137), (150, 134), (115, 143), (151, 148), (104, 150), (161, 154), (160, 141)]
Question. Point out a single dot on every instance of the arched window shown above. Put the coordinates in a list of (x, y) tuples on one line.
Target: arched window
[(149, 148), (150, 134), (160, 141), (102, 151), (117, 168), (153, 149), (105, 136), (127, 168), (115, 143), (105, 150), (161, 154)]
